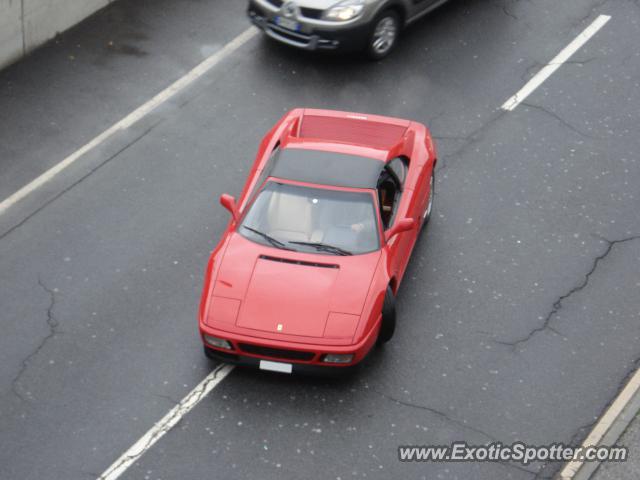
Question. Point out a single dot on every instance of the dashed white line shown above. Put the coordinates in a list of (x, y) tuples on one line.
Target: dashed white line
[(554, 64), (167, 422), (173, 89)]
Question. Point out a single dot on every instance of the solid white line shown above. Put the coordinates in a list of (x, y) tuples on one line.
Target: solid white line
[(554, 64), (194, 397), (603, 425), (176, 87)]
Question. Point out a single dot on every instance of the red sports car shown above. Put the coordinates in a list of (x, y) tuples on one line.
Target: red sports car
[(307, 270)]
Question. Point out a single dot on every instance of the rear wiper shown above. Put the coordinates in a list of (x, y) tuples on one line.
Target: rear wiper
[(325, 247), (273, 241)]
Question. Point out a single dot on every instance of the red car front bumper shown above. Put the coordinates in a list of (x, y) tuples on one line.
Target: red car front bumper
[(304, 357)]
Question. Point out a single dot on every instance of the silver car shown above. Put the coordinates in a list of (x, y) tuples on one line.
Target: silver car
[(369, 25)]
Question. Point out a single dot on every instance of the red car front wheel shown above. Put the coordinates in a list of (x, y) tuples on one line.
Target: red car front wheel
[(388, 317)]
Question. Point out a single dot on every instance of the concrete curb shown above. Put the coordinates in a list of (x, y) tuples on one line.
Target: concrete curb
[(608, 429)]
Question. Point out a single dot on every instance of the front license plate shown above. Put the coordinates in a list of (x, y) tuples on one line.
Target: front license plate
[(287, 23), (276, 366)]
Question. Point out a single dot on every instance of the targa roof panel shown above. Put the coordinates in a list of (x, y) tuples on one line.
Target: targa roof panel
[(326, 168)]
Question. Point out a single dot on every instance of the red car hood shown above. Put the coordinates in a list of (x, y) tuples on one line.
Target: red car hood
[(294, 293)]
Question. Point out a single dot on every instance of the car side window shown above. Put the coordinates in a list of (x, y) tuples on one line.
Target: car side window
[(390, 186), (399, 167)]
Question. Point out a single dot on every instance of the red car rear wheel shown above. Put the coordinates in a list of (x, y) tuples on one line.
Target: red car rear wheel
[(429, 209)]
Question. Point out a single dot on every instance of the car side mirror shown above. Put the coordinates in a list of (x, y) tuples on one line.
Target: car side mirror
[(399, 227), (228, 202)]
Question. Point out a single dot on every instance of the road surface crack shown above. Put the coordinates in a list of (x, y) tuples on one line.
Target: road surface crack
[(52, 323), (508, 13), (438, 413), (596, 6), (469, 140), (557, 304), (561, 120), (505, 9), (454, 421), (168, 398), (581, 432)]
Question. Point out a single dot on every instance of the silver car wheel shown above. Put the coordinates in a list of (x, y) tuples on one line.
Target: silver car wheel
[(384, 35), (430, 204)]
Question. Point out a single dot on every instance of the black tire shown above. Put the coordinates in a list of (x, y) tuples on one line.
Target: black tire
[(388, 317), (429, 210), (391, 20)]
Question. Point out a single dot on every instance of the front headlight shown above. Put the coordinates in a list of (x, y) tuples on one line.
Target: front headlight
[(218, 342), (345, 10), (338, 358)]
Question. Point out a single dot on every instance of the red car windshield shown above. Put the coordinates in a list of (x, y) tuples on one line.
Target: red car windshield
[(320, 220)]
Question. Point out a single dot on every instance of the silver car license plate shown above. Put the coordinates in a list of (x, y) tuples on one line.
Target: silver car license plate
[(276, 366), (287, 23)]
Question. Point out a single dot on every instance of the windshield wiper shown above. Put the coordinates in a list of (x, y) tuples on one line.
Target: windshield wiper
[(325, 247), (273, 241)]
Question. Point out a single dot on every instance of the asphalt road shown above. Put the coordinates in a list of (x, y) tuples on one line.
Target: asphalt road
[(519, 314)]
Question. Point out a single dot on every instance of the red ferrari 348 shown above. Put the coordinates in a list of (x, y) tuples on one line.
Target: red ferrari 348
[(305, 275)]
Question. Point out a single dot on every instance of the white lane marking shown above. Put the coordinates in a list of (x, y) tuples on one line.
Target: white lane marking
[(554, 64), (167, 422), (605, 422), (176, 87)]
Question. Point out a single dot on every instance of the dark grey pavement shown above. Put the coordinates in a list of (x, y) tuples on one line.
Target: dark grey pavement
[(519, 314)]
